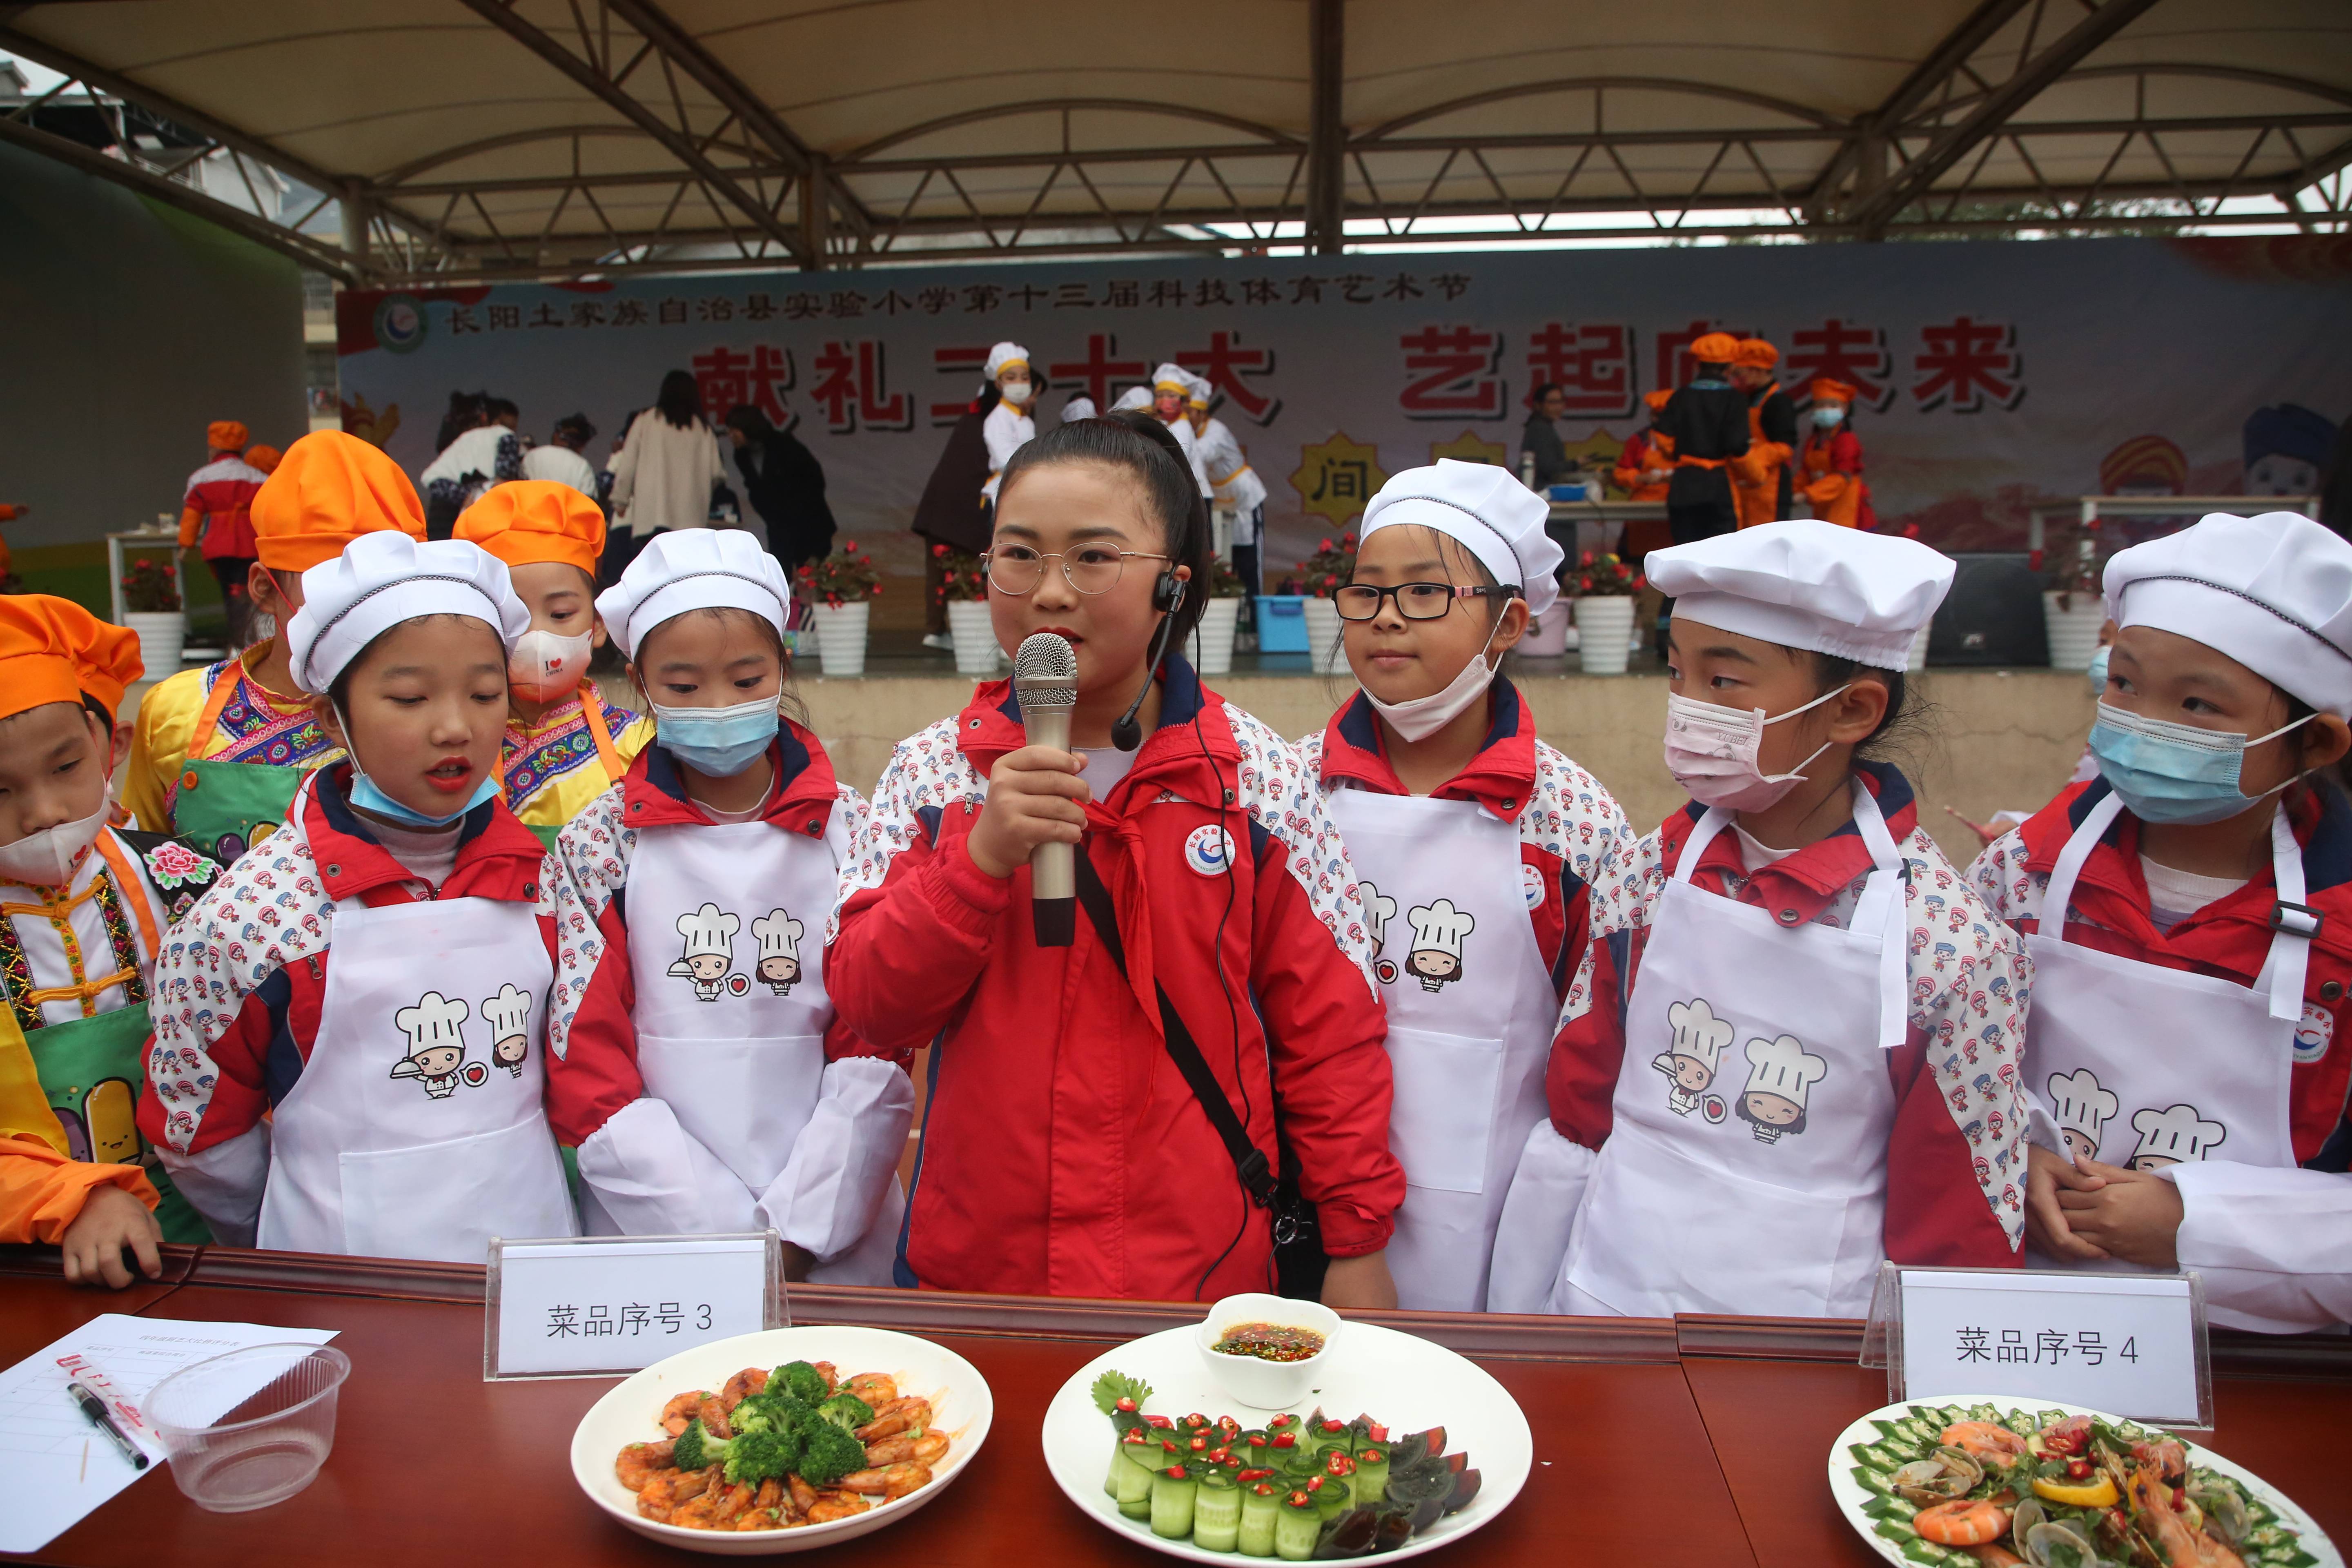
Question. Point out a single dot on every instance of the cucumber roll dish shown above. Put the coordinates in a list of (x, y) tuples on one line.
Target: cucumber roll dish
[(1292, 1489)]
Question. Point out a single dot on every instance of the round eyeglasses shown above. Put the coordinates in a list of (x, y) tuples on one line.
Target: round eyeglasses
[(1015, 569), (1414, 601)]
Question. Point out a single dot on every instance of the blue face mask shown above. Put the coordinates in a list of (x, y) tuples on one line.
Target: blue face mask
[(367, 797), (2097, 672), (718, 742), (2177, 772)]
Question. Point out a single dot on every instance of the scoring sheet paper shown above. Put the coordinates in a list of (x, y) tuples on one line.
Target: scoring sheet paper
[(2125, 1344)]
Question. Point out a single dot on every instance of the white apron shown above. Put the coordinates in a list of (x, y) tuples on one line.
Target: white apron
[(1745, 1166), (417, 1127), (2135, 1064), (1471, 1013)]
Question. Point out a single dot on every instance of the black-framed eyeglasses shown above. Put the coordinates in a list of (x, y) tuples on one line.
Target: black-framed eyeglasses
[(1414, 601), (1015, 569)]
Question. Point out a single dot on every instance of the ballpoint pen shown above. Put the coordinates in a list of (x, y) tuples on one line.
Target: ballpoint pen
[(95, 1408)]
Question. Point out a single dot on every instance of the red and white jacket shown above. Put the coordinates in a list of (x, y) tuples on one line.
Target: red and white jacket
[(1956, 1158), (1062, 1151), (1568, 823), (219, 505), (243, 976)]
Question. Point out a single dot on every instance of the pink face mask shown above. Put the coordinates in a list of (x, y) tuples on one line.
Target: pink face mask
[(1711, 750)]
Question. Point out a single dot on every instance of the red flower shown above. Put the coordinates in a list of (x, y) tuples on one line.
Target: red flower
[(1640, 584), (847, 545), (939, 550)]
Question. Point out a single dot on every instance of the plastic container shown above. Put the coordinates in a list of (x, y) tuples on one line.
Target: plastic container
[(974, 635), (841, 637), (1548, 633), (1327, 654), (1604, 624), (234, 1450), (1281, 623), (1215, 642), (2073, 621)]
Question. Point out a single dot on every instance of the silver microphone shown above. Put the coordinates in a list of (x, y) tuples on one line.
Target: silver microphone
[(1045, 684)]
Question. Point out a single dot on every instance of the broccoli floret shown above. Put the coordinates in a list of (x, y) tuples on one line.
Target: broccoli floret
[(801, 1381), (846, 1411), (755, 1457), (689, 1452), (831, 1454)]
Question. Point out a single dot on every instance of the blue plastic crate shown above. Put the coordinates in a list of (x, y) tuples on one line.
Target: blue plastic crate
[(1281, 623)]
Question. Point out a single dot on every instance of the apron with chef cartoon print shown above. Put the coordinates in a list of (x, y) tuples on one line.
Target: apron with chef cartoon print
[(731, 1008), (417, 1127), (1746, 1165), (1471, 1011), (2135, 1064)]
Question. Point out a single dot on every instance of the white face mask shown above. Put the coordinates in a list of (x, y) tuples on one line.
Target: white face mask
[(545, 666), (1711, 750), (1019, 392), (1419, 717), (47, 858), (1829, 417)]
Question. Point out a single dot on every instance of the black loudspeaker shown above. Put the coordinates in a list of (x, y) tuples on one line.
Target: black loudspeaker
[(1993, 616)]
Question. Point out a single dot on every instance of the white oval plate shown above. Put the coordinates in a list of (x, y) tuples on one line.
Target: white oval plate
[(1404, 1382), (1851, 1494), (631, 1410)]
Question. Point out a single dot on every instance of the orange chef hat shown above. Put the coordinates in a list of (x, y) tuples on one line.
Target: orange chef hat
[(1825, 390), (327, 491), (266, 459), (53, 650), (1715, 348), (1659, 399), (528, 520), (1755, 352), (225, 435)]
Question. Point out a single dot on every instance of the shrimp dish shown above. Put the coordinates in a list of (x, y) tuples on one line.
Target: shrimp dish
[(1954, 1484), (782, 1449)]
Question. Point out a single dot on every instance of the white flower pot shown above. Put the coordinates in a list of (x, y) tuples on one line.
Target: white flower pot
[(841, 637), (1548, 633), (162, 635), (1918, 660), (976, 650), (2074, 632), (1323, 648), (1604, 627), (1215, 638)]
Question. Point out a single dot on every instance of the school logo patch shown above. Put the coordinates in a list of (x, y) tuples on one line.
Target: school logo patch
[(1531, 884), (2314, 1034), (1208, 849)]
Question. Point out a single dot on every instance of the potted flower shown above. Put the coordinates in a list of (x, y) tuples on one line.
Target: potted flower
[(151, 607), (2074, 607), (1604, 588), (1320, 576), (964, 588), (841, 589), (1219, 619)]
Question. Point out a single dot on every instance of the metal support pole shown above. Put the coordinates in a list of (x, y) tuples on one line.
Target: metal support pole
[(817, 211), (1327, 137)]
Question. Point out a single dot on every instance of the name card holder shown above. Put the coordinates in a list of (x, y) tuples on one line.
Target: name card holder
[(591, 1306), (2133, 1346)]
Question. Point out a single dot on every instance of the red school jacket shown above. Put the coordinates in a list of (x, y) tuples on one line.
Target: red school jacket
[(1062, 1151)]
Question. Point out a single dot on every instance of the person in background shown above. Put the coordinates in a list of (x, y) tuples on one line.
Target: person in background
[(217, 753), (565, 745), (466, 411), (1760, 478), (1172, 391), (1646, 462), (487, 453), (954, 509), (1234, 485), (1079, 406), (1064, 1150), (695, 976), (83, 911), (217, 511), (785, 484), (668, 464), (1761, 1085), (1472, 844), (2187, 1093), (264, 460), (1831, 459), (1009, 426), (1706, 419), (564, 459), (366, 1074), (1543, 459)]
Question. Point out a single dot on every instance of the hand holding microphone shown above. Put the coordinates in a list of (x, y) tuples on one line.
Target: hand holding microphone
[(1036, 807)]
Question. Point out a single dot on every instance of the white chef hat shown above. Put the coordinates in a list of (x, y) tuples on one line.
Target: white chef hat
[(1808, 584), (1077, 408), (2078, 1101), (709, 931), (2272, 592), (778, 935), (1133, 397), (684, 569), (1003, 355), (2177, 1133), (384, 578), (1197, 390), (1486, 509), (1171, 377), (1698, 1033), (1783, 1067)]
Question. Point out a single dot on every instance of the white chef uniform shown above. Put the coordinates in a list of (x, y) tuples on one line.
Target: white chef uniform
[(1171, 377), (2194, 1069), (1007, 428), (1235, 483)]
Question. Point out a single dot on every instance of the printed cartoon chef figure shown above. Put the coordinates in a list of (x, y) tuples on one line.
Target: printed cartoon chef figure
[(1438, 931), (2170, 1136), (1780, 1075), (509, 1015), (2081, 1108), (709, 933), (1691, 1062), (436, 1048), (1378, 907), (780, 954)]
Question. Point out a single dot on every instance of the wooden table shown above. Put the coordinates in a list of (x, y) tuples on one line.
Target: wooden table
[(1700, 1440)]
